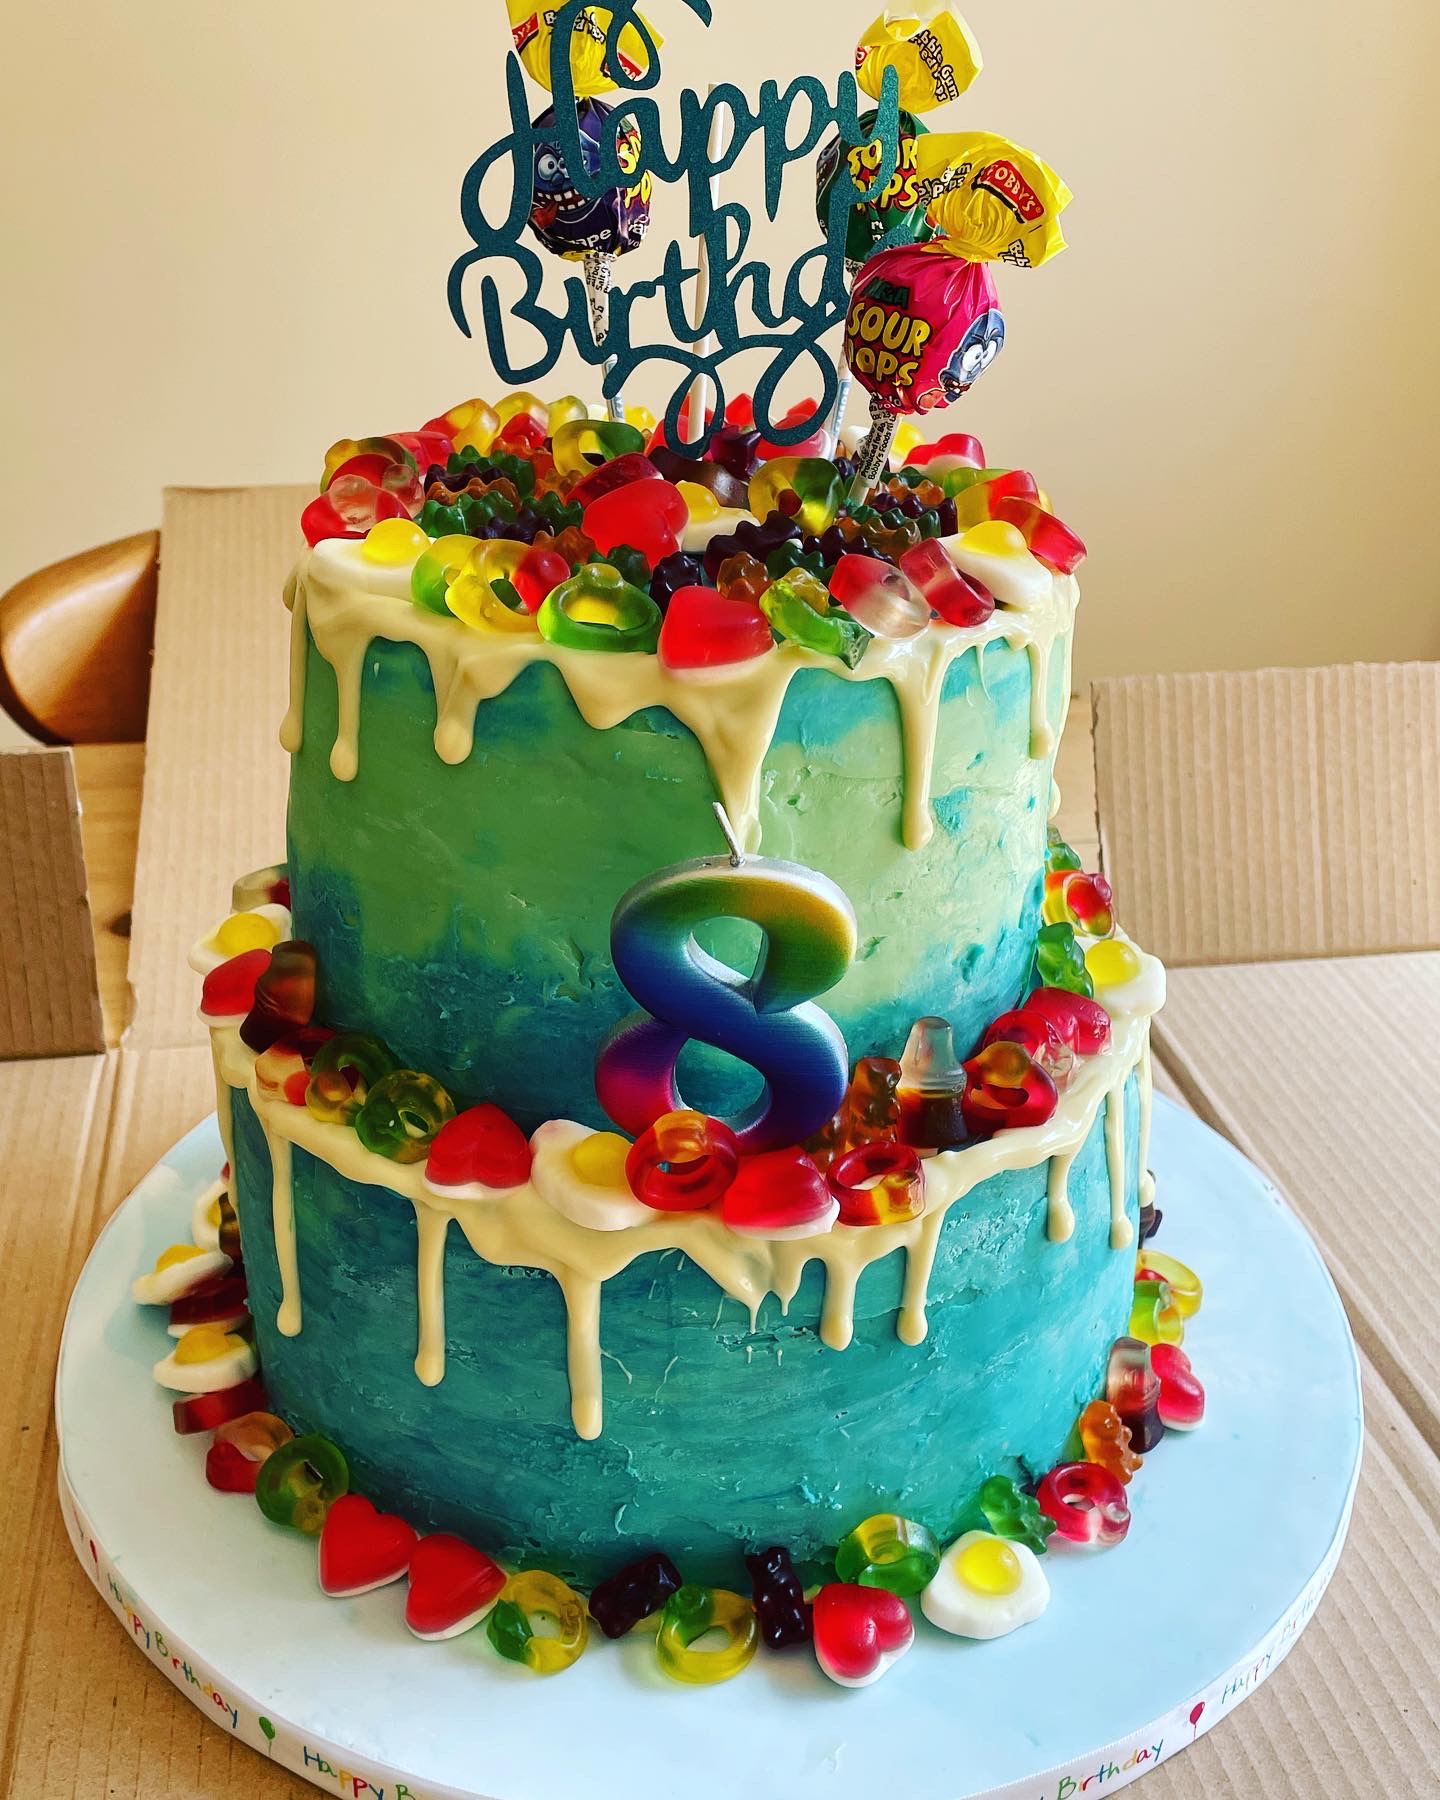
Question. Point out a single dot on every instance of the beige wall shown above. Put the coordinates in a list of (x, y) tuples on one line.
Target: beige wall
[(227, 227)]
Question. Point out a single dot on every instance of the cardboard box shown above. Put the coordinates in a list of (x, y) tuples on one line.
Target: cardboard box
[(1320, 1069)]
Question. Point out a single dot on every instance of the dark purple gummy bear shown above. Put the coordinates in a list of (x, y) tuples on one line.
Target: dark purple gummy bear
[(1150, 1219), (734, 450), (780, 1607), (622, 1600), (675, 572), (757, 540)]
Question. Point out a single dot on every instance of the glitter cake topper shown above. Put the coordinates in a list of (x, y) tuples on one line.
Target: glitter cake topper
[(790, 311)]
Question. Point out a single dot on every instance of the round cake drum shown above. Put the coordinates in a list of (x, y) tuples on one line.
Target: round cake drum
[(1237, 1528)]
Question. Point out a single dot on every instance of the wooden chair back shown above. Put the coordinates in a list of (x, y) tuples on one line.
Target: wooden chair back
[(75, 643)]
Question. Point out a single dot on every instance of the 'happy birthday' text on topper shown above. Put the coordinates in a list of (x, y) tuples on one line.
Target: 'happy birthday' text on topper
[(751, 305)]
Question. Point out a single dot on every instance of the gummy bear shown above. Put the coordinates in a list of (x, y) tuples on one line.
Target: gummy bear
[(869, 1113), (1106, 1440), (780, 1607), (742, 577), (1059, 961), (1010, 1513), (641, 1588)]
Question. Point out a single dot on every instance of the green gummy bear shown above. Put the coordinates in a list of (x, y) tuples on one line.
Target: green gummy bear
[(1011, 1514), (1060, 962)]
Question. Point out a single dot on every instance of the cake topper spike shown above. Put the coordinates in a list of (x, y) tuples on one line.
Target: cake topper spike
[(737, 855)]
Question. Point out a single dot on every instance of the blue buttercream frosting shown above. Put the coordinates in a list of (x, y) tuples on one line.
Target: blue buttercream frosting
[(463, 912)]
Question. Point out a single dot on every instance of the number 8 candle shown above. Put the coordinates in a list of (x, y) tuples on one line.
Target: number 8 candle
[(767, 1019)]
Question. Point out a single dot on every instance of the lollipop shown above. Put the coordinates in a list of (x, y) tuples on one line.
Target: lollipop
[(589, 228), (533, 28), (924, 321), (935, 56)]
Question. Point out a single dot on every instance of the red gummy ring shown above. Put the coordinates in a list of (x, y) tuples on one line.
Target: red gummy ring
[(880, 1183), (203, 1412), (1086, 1502), (683, 1163)]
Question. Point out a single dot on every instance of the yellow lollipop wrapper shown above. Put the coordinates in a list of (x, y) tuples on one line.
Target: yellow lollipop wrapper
[(532, 25), (931, 49), (994, 201)]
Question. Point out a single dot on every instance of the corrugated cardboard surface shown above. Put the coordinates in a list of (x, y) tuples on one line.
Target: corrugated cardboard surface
[(1352, 1711), (49, 991), (215, 775), (1290, 812), (1324, 1073)]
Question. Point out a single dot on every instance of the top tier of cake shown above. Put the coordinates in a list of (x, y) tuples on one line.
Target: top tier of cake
[(467, 807)]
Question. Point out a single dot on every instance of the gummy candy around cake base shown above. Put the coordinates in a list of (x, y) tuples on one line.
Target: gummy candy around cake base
[(715, 1439)]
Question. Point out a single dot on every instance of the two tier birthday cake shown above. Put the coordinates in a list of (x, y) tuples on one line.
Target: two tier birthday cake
[(686, 1112)]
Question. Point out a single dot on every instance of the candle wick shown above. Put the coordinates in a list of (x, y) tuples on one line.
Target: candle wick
[(737, 855)]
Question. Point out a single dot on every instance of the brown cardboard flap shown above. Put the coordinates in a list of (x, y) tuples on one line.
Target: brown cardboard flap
[(1323, 1073), (1284, 813), (49, 990), (215, 775)]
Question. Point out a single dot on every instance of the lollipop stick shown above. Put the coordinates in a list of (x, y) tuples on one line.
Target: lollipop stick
[(599, 266), (875, 451), (847, 379)]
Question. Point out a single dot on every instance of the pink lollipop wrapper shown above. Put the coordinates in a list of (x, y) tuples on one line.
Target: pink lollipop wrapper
[(924, 324)]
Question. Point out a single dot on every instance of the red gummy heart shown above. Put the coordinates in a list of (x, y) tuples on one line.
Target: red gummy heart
[(284, 996), (361, 1548), (1080, 1020), (228, 991), (481, 1145), (704, 629), (1182, 1398), (779, 1194), (859, 1632), (452, 1586)]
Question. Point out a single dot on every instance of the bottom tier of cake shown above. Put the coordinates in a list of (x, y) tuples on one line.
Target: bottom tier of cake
[(573, 1423)]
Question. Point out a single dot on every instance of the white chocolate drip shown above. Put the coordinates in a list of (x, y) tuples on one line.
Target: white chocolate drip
[(346, 604), (1122, 1232), (1147, 1108), (522, 1230)]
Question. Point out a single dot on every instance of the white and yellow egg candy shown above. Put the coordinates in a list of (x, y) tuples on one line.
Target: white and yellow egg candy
[(261, 928), (205, 1214), (1126, 979), (996, 554), (207, 1359), (177, 1272), (985, 1587), (581, 1173)]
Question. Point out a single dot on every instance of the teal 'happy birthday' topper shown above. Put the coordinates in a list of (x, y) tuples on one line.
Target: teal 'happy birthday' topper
[(789, 326)]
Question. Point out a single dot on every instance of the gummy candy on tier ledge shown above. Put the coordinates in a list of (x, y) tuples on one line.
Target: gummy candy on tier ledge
[(524, 1228)]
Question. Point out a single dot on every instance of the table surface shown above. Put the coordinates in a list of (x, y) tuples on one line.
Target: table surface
[(66, 1671)]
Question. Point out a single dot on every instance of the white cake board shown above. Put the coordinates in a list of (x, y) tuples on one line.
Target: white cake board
[(1237, 1529)]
